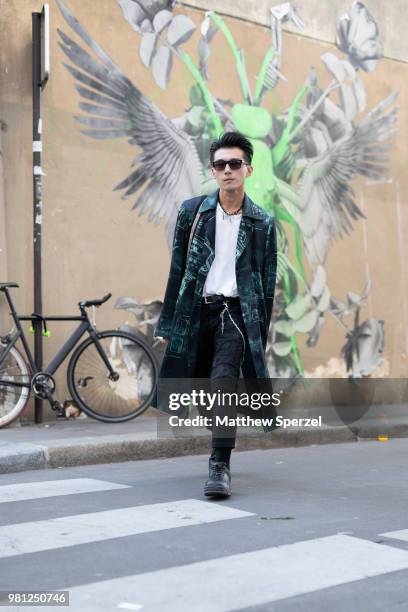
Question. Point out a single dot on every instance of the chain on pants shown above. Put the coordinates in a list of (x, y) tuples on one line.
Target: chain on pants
[(221, 348)]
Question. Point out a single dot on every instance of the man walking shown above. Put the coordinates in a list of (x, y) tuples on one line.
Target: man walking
[(219, 296)]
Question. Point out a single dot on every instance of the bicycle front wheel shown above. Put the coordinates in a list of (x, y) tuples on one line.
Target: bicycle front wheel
[(92, 387), (14, 374)]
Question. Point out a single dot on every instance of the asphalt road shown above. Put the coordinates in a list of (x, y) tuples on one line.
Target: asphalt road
[(303, 530)]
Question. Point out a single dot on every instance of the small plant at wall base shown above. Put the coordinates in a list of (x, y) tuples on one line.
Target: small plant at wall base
[(305, 156)]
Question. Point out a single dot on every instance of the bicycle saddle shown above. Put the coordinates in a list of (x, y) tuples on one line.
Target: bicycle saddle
[(5, 285), (95, 302)]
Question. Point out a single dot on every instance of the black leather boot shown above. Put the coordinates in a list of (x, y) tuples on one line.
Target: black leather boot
[(219, 481)]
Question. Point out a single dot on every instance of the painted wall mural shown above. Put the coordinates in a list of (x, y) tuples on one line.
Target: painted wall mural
[(306, 156)]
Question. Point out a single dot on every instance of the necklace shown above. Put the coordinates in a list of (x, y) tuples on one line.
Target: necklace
[(230, 214)]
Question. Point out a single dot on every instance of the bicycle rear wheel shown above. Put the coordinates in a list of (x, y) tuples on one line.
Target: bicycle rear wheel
[(105, 399), (13, 398)]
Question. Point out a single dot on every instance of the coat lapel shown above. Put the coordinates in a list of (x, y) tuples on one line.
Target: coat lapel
[(209, 238), (207, 210), (243, 235)]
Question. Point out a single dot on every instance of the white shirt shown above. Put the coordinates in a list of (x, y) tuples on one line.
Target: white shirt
[(221, 277)]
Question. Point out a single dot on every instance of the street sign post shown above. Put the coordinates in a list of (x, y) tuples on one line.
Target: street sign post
[(40, 75)]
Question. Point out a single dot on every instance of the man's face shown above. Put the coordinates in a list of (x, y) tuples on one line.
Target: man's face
[(231, 179)]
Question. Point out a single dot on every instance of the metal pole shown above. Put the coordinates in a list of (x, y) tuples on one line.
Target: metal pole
[(37, 201)]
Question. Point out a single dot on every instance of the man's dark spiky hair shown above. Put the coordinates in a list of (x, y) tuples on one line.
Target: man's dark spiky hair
[(229, 140)]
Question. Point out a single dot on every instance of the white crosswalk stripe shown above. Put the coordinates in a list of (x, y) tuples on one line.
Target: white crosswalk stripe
[(65, 531), (54, 488), (221, 584), (402, 534)]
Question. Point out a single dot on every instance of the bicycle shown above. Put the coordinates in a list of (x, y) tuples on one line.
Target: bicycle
[(111, 375)]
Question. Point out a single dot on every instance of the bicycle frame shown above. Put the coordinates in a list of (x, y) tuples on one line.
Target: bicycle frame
[(85, 325)]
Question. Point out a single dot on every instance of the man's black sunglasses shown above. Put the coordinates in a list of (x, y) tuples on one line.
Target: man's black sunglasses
[(234, 164)]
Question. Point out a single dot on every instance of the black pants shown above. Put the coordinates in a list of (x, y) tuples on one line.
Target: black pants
[(221, 345)]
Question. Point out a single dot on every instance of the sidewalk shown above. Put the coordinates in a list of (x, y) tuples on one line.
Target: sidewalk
[(66, 443)]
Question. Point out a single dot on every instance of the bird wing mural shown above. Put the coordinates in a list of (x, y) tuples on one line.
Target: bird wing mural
[(325, 199), (305, 158), (168, 169)]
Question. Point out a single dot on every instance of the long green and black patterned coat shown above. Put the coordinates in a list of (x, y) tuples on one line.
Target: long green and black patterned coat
[(256, 258)]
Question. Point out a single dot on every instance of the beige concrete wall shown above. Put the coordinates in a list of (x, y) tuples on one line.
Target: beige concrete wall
[(92, 241), (319, 18)]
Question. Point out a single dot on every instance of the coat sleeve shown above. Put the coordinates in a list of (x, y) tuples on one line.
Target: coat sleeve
[(269, 270), (179, 249)]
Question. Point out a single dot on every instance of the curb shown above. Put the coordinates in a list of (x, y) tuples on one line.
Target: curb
[(115, 449), (20, 457)]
